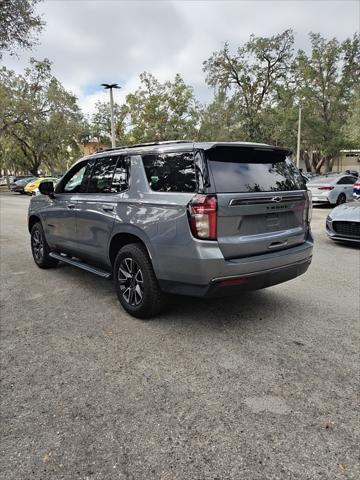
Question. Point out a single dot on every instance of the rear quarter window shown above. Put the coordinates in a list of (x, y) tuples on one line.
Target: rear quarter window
[(171, 172)]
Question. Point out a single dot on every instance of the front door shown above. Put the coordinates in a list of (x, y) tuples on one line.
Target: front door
[(60, 217)]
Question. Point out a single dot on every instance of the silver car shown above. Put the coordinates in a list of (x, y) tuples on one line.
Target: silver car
[(343, 223), (202, 219), (332, 189)]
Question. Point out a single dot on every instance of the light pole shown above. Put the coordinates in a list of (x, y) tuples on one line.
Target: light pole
[(298, 139), (110, 86)]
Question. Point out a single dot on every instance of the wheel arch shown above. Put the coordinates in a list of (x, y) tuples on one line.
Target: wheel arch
[(122, 238), (32, 220)]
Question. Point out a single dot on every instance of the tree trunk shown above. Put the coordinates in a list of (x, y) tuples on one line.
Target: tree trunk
[(306, 159), (319, 164)]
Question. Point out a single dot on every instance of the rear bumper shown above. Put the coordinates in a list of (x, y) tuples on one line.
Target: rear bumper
[(203, 271), (231, 286)]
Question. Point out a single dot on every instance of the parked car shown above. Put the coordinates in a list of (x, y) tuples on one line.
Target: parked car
[(332, 189), (356, 190), (201, 219), (22, 178), (31, 186), (19, 185), (343, 223)]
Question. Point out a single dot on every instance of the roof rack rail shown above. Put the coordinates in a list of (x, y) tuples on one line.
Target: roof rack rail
[(122, 147)]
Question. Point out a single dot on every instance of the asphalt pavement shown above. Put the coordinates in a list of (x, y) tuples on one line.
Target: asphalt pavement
[(261, 386)]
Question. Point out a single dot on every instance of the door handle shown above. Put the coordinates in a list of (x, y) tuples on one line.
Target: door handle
[(278, 244), (71, 206), (107, 208)]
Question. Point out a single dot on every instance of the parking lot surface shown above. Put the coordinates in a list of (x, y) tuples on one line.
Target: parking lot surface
[(262, 386)]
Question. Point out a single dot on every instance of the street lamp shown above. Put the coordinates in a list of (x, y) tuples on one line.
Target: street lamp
[(298, 139), (110, 86)]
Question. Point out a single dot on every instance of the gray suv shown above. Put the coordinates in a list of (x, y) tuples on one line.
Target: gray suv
[(200, 219)]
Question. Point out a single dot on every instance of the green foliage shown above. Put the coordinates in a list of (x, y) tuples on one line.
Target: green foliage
[(100, 125), (159, 111), (40, 117), (19, 25), (351, 129), (260, 87), (252, 76)]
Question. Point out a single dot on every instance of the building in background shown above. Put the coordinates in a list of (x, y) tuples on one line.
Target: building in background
[(92, 146), (348, 160)]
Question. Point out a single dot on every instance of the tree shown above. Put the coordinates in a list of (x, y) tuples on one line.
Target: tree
[(251, 76), (40, 117), (161, 111), (351, 129), (327, 79), (100, 123), (19, 25), (220, 119)]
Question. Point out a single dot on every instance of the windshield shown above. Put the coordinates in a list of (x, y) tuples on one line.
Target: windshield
[(241, 170)]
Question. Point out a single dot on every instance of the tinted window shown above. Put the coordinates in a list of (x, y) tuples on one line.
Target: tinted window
[(120, 180), (171, 172), (346, 181), (102, 175), (249, 170), (73, 183)]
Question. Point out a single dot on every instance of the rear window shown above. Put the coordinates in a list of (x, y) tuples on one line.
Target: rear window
[(171, 172), (244, 169)]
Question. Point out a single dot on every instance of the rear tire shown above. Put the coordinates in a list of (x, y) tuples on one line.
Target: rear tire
[(135, 282), (341, 199), (40, 248)]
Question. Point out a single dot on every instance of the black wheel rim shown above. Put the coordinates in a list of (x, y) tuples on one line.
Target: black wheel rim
[(342, 199), (131, 282), (37, 245)]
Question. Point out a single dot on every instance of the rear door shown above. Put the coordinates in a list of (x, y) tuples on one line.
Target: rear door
[(346, 185), (262, 200), (96, 208)]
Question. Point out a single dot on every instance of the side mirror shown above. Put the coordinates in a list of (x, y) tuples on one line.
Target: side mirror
[(47, 188)]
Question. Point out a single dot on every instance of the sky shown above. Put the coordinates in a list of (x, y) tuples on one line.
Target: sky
[(101, 41)]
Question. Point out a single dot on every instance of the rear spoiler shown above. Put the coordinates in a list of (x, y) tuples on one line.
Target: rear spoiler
[(247, 153), (249, 146)]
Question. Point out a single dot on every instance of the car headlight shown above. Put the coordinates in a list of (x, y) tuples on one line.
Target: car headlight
[(328, 219)]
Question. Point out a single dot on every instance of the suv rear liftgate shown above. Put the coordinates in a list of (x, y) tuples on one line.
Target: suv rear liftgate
[(263, 205)]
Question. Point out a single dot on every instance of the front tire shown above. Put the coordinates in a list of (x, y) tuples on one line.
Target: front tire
[(40, 248), (135, 282)]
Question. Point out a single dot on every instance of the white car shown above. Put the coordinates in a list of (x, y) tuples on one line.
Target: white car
[(332, 189)]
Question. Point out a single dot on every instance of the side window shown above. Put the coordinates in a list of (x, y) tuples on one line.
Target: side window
[(102, 175), (120, 180), (171, 172), (346, 181), (73, 184)]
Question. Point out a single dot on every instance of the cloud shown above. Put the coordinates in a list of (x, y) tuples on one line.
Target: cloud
[(91, 42)]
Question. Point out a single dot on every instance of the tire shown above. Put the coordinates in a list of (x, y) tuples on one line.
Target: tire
[(40, 248), (341, 199), (135, 282)]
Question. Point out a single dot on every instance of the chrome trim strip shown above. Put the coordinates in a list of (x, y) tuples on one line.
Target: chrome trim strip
[(235, 202)]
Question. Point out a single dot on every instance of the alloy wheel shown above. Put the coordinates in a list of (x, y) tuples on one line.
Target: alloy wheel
[(131, 281), (341, 199), (38, 245)]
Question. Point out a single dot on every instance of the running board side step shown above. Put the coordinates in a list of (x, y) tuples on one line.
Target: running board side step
[(80, 264)]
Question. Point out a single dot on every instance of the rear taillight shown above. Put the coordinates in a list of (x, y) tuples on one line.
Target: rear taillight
[(326, 188), (309, 207), (356, 185), (203, 216)]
